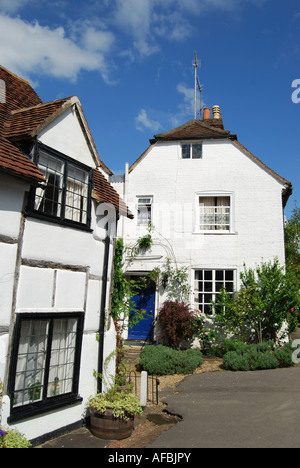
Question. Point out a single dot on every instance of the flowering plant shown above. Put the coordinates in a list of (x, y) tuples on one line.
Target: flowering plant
[(12, 438), (207, 335)]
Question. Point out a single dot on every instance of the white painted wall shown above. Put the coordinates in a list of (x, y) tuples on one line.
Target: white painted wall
[(72, 281), (65, 135), (174, 183)]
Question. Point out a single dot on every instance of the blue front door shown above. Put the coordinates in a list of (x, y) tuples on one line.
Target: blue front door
[(144, 301)]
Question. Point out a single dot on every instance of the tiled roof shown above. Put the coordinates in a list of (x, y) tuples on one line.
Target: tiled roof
[(105, 193), (17, 94), (14, 162), (26, 123), (195, 129), (23, 116)]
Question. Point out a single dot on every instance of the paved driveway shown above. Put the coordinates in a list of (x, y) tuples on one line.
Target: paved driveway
[(236, 410)]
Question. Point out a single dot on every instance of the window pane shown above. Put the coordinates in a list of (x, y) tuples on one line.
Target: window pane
[(62, 359), (209, 289), (197, 151), (31, 361), (214, 213), (48, 200), (144, 210), (186, 151), (76, 194)]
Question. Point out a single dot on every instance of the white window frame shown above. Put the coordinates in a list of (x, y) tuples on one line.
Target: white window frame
[(216, 286), (140, 203), (199, 195), (191, 144)]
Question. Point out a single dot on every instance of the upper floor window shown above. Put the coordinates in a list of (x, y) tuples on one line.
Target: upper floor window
[(66, 195), (191, 151), (144, 210), (214, 213)]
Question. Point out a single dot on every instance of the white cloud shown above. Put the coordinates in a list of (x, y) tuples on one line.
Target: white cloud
[(11, 6), (143, 122), (146, 21), (27, 47), (86, 44)]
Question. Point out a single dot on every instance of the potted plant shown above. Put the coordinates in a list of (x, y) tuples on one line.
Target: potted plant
[(12, 438), (112, 414)]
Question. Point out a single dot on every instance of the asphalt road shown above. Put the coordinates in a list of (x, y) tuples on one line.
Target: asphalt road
[(258, 409)]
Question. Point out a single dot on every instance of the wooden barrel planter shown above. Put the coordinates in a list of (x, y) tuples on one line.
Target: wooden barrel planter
[(106, 426)]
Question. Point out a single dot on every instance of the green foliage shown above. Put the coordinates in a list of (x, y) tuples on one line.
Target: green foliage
[(13, 439), (162, 360), (176, 323), (145, 242), (122, 307), (177, 280), (123, 404), (267, 299), (292, 244), (258, 357)]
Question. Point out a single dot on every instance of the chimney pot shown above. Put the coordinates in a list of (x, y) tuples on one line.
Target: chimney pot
[(206, 113), (216, 112)]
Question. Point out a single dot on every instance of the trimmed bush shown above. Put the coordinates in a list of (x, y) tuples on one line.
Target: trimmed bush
[(161, 360), (258, 357)]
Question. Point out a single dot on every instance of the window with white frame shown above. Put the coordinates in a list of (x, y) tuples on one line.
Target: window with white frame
[(45, 361), (144, 210), (191, 151), (67, 192), (214, 213), (208, 284)]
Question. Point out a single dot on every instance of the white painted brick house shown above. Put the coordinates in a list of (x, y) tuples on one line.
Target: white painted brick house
[(214, 207), (56, 260)]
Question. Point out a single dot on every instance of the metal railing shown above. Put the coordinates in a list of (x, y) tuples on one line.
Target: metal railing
[(152, 386)]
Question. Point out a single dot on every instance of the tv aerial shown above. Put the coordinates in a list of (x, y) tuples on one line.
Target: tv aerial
[(198, 86)]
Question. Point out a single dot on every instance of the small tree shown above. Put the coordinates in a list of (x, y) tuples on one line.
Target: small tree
[(267, 300), (292, 244)]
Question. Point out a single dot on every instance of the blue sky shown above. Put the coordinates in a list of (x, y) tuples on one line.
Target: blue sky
[(131, 64)]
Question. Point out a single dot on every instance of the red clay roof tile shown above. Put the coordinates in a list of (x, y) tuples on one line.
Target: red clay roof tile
[(105, 193)]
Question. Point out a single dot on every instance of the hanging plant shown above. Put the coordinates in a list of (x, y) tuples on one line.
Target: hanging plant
[(144, 243)]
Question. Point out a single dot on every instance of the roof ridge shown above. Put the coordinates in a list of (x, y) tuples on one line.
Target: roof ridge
[(15, 75), (43, 104)]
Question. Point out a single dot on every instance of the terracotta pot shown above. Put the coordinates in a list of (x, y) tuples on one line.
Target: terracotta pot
[(106, 426)]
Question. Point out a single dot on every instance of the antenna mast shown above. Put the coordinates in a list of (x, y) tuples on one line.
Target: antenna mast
[(197, 85), (196, 66)]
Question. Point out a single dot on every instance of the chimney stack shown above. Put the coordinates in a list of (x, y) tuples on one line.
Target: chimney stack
[(216, 112), (206, 113)]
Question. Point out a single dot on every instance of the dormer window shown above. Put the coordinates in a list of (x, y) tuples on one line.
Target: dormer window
[(67, 192), (191, 151)]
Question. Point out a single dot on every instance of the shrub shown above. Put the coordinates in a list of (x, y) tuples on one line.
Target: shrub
[(258, 357), (161, 360), (176, 323), (13, 439)]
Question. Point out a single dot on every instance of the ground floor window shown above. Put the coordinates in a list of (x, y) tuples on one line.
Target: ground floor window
[(45, 362), (208, 284)]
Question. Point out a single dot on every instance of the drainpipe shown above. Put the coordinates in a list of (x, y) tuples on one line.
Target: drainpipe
[(125, 194), (102, 313)]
